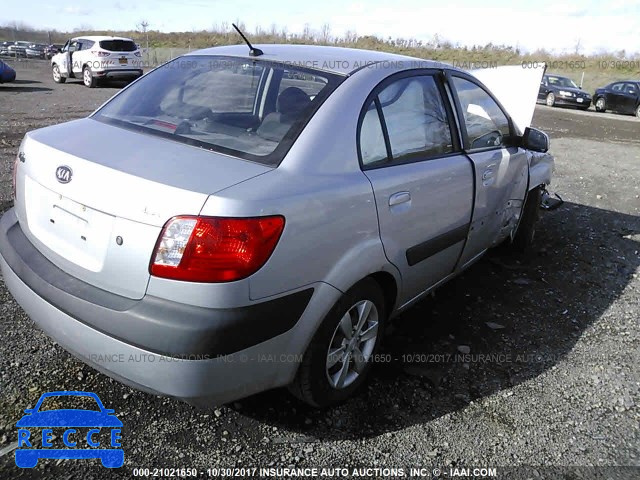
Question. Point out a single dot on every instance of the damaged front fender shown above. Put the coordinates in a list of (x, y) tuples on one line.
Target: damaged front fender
[(541, 167)]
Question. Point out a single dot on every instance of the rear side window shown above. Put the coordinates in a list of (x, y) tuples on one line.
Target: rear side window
[(415, 119), (487, 125), (118, 45)]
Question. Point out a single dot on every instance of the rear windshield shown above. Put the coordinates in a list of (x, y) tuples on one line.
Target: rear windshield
[(248, 108), (118, 45)]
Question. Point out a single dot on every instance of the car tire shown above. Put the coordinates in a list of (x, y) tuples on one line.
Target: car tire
[(526, 231), (550, 100), (57, 76), (329, 373), (600, 104), (88, 78), (638, 111)]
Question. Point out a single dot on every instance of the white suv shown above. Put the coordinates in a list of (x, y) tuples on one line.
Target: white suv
[(95, 58)]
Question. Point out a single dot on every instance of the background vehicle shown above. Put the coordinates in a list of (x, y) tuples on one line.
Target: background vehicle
[(622, 97), (96, 58), (556, 90), (18, 49), (4, 48), (7, 74), (35, 50), (51, 50), (179, 239)]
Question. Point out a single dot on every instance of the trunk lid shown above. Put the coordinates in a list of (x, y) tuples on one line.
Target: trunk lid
[(93, 197)]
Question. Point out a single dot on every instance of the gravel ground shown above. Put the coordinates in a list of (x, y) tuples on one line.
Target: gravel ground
[(524, 361)]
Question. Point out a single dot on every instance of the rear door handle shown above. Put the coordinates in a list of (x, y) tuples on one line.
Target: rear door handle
[(398, 198)]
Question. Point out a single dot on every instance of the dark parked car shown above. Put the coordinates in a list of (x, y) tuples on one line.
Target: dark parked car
[(7, 74), (623, 97), (557, 90), (51, 50), (4, 48)]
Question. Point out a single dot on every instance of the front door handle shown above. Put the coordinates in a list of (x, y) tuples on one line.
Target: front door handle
[(398, 198)]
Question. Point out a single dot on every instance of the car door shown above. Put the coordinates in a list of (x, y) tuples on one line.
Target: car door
[(70, 48), (78, 57), (628, 98), (614, 96), (422, 182), (501, 168)]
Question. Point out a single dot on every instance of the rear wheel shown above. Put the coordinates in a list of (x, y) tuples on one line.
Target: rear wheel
[(57, 76), (601, 106), (551, 99), (88, 79), (338, 358), (638, 111)]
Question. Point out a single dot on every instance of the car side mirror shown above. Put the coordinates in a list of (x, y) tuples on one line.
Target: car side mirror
[(109, 411), (28, 411), (536, 140)]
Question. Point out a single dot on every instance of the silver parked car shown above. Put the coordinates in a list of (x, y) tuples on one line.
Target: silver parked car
[(235, 222)]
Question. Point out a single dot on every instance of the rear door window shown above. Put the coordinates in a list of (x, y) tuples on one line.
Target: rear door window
[(409, 120), (118, 45)]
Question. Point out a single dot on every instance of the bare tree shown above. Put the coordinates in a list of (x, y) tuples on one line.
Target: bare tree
[(325, 33), (144, 26), (578, 46)]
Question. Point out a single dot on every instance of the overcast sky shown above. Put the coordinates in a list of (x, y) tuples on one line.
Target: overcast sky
[(553, 25)]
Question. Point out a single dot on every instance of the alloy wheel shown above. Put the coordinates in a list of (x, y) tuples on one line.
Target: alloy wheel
[(352, 344)]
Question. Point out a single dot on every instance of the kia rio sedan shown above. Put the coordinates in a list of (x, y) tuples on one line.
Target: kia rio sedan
[(231, 223)]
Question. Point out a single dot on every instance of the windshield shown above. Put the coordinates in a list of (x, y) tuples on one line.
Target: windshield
[(561, 82), (252, 109)]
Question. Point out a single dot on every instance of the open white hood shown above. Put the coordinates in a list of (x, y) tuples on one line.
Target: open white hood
[(516, 87)]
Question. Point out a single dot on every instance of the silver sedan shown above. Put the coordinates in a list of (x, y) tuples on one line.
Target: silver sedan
[(236, 221)]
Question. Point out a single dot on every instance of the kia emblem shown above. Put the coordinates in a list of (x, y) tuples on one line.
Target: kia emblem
[(63, 174)]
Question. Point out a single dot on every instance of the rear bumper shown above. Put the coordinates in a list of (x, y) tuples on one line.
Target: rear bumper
[(119, 73), (214, 364)]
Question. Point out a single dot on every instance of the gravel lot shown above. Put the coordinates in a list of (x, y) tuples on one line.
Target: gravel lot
[(550, 379)]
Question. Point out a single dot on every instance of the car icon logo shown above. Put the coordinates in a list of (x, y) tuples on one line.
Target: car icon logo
[(92, 431), (64, 174)]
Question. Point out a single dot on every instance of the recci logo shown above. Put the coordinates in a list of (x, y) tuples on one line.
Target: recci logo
[(83, 427)]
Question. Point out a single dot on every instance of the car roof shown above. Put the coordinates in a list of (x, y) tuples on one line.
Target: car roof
[(97, 38), (338, 60)]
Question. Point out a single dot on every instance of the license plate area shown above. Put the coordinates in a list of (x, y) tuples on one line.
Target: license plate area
[(72, 230), (580, 100), (123, 60)]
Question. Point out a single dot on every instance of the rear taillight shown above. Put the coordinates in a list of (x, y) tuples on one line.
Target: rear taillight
[(100, 54), (137, 53), (214, 249)]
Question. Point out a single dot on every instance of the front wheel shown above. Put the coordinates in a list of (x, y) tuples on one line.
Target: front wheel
[(523, 238), (88, 79), (601, 106), (338, 358), (638, 111), (551, 99), (57, 76)]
